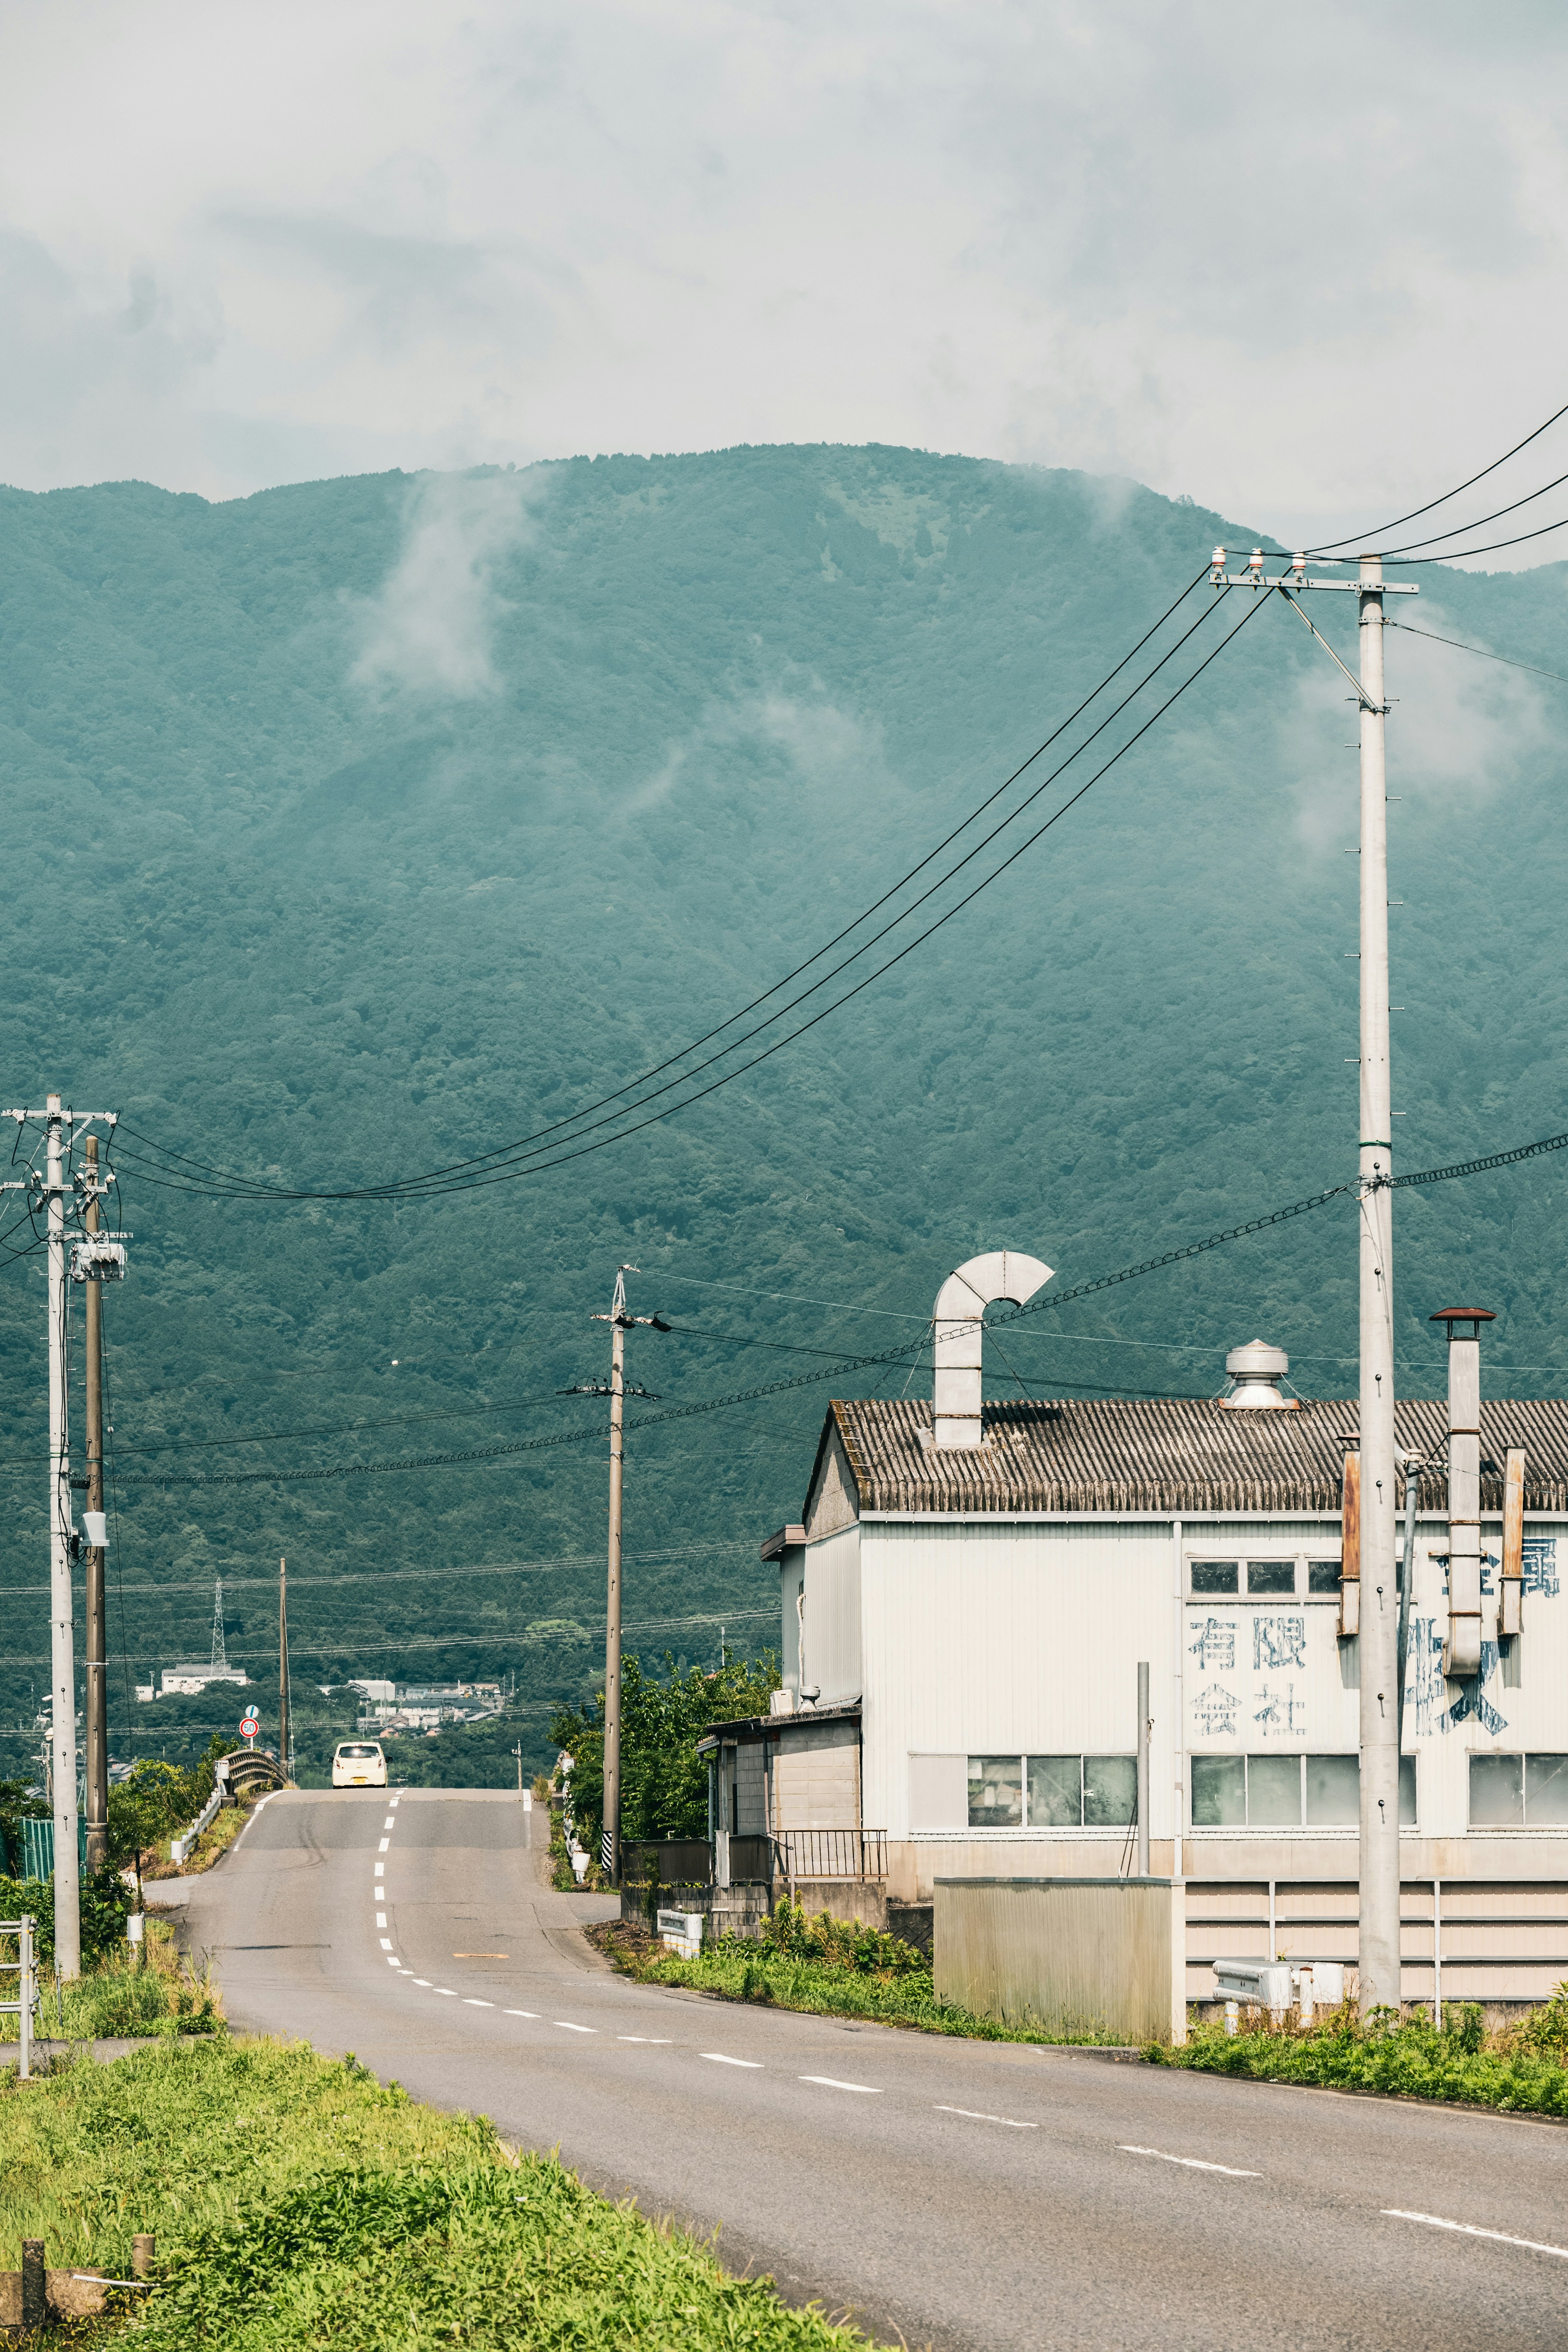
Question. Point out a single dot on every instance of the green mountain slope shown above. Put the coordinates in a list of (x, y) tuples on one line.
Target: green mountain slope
[(359, 827)]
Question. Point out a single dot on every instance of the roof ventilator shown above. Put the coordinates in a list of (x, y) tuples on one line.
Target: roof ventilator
[(1255, 1372)]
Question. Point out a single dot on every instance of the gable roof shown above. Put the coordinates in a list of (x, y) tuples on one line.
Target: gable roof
[(1175, 1454)]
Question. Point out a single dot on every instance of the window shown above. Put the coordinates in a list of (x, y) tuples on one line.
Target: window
[(1323, 1576), (1515, 1793), (995, 1792), (1052, 1793), (1296, 1791), (1271, 1576), (1216, 1576)]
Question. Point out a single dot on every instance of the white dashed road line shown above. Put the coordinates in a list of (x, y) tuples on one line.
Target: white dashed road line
[(386, 1943), (381, 1919), (664, 2040), (1192, 2163), (866, 2090), (383, 1847), (470, 2000), (972, 2114), (1468, 2229), (446, 1991), (717, 2058), (422, 1980), (522, 2012), (565, 2028)]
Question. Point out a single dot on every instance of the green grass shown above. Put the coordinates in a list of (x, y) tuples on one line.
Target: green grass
[(1521, 2073), (121, 2000), (891, 1983), (296, 2201)]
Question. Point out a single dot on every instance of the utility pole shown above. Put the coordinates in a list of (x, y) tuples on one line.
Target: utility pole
[(620, 1323), (62, 1660), (285, 1714), (97, 1645), (1379, 1941), (1380, 1631)]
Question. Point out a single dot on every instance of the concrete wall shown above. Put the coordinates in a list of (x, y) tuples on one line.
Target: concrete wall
[(1071, 1955)]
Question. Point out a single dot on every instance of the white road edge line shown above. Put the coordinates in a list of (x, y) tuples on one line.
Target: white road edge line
[(566, 2027), (866, 2090), (717, 2058), (974, 2115), (1469, 2230), (1192, 2163)]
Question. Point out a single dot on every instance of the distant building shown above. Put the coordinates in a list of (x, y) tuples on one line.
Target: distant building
[(384, 1693), (187, 1681)]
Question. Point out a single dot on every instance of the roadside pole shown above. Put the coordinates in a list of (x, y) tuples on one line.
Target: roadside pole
[(1379, 1952), (285, 1713), (620, 1323), (62, 1659), (96, 1659)]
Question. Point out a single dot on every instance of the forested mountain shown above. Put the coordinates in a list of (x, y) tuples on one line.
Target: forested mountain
[(358, 828)]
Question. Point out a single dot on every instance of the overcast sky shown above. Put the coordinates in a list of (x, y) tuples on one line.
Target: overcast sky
[(1305, 265)]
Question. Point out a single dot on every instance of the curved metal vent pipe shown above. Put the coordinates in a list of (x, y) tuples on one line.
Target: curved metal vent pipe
[(960, 1305)]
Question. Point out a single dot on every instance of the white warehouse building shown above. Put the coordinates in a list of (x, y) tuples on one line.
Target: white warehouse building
[(971, 1588)]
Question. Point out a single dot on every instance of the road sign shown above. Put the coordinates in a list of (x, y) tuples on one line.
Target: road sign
[(249, 1728)]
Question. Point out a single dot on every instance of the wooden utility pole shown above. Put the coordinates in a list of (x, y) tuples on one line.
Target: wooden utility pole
[(285, 1715), (97, 1645)]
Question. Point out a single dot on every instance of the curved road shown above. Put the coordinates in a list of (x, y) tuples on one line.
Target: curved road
[(955, 2193)]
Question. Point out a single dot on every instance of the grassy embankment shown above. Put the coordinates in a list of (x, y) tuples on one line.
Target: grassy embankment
[(829, 1968), (296, 2201), (117, 1996), (1521, 2068)]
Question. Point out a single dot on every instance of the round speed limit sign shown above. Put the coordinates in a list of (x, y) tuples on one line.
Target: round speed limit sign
[(249, 1728)]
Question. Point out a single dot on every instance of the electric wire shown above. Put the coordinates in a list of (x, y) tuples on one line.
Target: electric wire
[(1359, 538), (1459, 646), (564, 1157), (532, 1149)]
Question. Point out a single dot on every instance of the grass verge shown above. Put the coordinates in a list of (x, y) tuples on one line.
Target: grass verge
[(120, 1998), (211, 1846), (1519, 2070), (824, 1983), (296, 2201)]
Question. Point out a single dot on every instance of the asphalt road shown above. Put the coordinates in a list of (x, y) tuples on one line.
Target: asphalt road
[(952, 2193)]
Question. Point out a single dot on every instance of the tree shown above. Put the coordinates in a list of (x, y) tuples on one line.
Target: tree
[(153, 1803), (664, 1782)]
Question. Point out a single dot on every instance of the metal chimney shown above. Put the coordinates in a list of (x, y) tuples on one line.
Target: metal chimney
[(1462, 1650), (959, 1303)]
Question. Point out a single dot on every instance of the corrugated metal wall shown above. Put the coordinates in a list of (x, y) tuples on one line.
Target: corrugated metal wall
[(833, 1617), (1074, 1956)]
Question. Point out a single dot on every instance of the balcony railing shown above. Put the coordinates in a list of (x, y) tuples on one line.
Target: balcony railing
[(830, 1854)]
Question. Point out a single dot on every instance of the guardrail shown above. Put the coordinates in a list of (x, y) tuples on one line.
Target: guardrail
[(27, 1989), (180, 1847)]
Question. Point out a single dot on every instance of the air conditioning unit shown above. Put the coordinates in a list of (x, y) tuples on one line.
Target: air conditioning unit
[(1265, 1984)]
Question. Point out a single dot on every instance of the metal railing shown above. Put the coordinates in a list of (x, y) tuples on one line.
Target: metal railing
[(24, 1967), (830, 1854)]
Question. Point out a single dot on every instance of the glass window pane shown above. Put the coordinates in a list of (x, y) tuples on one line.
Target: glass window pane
[(1109, 1791), (1056, 1798), (1333, 1791), (995, 1792), (1273, 1791), (1497, 1794), (1407, 1792), (1271, 1576), (1216, 1576), (1323, 1576), (1219, 1793), (1545, 1791)]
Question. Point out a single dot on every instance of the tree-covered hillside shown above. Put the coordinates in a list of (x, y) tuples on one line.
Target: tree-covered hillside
[(358, 828)]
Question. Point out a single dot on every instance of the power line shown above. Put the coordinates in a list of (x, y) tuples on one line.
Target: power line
[(1360, 538), (497, 1164), (1533, 667)]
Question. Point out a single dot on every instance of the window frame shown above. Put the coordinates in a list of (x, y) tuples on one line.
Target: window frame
[(1300, 1559), (1027, 1828), (1300, 1826), (1523, 1826)]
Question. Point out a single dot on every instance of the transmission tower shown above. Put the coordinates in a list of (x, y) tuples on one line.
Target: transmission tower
[(220, 1655)]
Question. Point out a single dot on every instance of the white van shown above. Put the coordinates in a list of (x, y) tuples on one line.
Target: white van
[(359, 1764)]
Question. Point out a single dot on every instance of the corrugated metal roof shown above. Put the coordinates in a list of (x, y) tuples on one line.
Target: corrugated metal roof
[(1170, 1455)]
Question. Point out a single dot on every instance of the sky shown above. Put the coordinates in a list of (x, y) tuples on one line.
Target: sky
[(1303, 266)]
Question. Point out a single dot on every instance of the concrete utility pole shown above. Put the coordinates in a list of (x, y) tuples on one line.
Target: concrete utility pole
[(620, 1323), (1379, 1960), (1379, 1624), (93, 1612), (285, 1714), (62, 1659)]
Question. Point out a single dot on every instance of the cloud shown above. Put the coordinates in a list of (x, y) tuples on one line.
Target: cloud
[(431, 628)]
